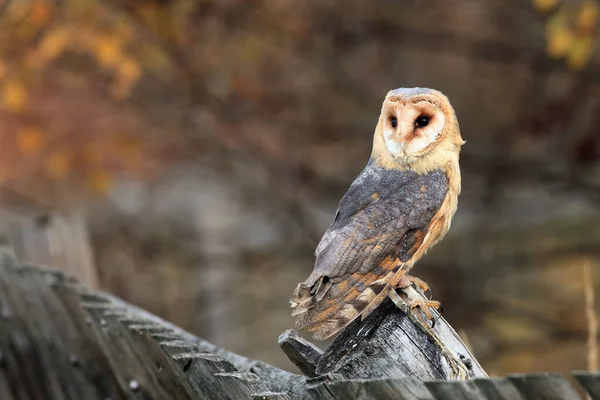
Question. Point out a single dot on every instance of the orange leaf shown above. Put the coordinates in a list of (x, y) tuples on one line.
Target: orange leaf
[(544, 6), (29, 141), (39, 13), (588, 16), (53, 44), (108, 51), (560, 42), (14, 95), (57, 164)]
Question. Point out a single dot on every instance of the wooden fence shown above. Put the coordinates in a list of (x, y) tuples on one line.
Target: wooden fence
[(60, 340)]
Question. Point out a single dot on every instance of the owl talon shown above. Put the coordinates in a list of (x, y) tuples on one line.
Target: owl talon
[(419, 284), (425, 306)]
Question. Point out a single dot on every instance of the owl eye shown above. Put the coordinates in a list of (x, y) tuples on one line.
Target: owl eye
[(394, 122), (422, 121)]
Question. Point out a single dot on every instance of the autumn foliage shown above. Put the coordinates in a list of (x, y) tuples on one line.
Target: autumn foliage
[(66, 72)]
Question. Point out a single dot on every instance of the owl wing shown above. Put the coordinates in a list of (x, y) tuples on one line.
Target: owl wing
[(380, 223)]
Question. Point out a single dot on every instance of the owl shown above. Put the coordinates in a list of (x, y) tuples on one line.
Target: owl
[(398, 207)]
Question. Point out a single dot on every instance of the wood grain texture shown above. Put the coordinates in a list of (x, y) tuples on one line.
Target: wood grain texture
[(590, 382), (544, 386), (498, 389), (388, 345), (301, 352), (392, 389), (59, 340), (270, 396), (464, 390)]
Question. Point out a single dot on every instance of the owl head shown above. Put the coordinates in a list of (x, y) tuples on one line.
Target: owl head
[(417, 128)]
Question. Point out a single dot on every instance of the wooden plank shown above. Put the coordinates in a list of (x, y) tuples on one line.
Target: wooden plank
[(318, 389), (241, 384), (270, 396), (44, 337), (544, 386), (136, 376), (276, 380), (301, 352), (450, 390), (202, 372), (498, 389), (16, 344), (385, 389), (174, 347), (403, 389), (166, 371), (334, 386), (138, 355), (5, 389), (387, 344), (51, 238), (590, 382), (90, 355)]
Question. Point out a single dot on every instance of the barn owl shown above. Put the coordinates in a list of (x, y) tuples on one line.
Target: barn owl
[(397, 208)]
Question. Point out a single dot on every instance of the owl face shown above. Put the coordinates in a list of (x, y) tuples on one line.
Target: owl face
[(413, 122)]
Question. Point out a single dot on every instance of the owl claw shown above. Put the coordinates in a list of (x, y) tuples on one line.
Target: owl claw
[(418, 283)]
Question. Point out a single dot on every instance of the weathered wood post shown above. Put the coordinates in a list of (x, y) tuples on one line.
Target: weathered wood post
[(42, 235), (387, 344)]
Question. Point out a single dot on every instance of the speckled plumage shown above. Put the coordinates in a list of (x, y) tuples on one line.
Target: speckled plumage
[(400, 205)]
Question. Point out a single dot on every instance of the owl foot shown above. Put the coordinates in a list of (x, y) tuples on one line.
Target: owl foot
[(413, 299), (408, 280)]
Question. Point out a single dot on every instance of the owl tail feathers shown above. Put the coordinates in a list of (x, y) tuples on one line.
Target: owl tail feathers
[(324, 308)]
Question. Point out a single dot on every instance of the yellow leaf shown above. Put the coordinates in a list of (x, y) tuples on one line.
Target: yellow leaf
[(100, 182), (108, 51), (544, 6), (559, 20), (588, 16), (14, 95), (57, 164), (29, 141), (560, 42), (53, 44), (580, 52)]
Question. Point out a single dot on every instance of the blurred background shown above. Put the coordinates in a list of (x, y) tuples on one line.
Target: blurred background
[(187, 155)]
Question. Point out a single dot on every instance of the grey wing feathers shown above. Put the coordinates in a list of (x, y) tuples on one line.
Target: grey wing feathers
[(384, 216)]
